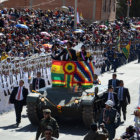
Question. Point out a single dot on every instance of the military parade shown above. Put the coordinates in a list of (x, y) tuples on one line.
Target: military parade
[(65, 75)]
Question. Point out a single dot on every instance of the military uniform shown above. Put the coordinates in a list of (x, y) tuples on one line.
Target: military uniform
[(48, 122), (111, 119)]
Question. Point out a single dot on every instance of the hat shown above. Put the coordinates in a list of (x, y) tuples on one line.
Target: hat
[(109, 103), (46, 111)]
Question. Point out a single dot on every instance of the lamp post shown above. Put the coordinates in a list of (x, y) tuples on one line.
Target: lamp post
[(31, 4), (75, 15), (128, 8), (64, 3)]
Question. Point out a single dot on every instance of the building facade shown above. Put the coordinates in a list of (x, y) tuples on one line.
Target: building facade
[(90, 9)]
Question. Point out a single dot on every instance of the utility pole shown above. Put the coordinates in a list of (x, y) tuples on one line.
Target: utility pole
[(128, 9), (64, 2), (31, 4), (75, 15)]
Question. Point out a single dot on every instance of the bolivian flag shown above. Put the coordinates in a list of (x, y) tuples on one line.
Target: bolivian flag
[(57, 73)]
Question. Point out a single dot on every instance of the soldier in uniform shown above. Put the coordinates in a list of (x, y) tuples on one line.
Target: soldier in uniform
[(48, 134), (111, 118), (47, 121)]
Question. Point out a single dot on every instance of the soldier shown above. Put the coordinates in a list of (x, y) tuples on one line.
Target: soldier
[(111, 118), (47, 121), (48, 134)]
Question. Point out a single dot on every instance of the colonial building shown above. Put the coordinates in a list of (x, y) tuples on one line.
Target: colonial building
[(90, 9)]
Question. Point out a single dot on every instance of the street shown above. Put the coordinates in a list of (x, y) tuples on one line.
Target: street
[(75, 130)]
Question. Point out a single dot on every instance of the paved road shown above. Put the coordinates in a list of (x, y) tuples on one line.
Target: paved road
[(130, 73)]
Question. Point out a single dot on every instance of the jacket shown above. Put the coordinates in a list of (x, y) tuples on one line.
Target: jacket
[(126, 95), (41, 83), (12, 98)]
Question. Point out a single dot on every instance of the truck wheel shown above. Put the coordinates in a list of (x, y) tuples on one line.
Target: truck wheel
[(33, 113), (87, 115)]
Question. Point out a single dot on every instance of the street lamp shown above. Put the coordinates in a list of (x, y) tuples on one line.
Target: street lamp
[(31, 4), (128, 8), (75, 15)]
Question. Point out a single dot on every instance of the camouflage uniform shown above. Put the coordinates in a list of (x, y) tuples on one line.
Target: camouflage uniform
[(48, 122)]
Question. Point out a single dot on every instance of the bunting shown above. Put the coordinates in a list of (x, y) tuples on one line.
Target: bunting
[(70, 74)]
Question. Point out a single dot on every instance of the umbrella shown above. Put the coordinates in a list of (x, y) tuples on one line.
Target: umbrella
[(63, 42), (47, 46), (1, 34), (45, 33), (64, 8), (78, 31), (102, 26), (22, 26)]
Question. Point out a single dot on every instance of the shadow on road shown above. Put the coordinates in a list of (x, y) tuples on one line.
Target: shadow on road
[(13, 126), (28, 128), (72, 127)]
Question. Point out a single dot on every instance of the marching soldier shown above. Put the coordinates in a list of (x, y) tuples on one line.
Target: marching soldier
[(47, 121)]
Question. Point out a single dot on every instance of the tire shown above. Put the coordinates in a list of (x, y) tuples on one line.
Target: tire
[(87, 115), (32, 113)]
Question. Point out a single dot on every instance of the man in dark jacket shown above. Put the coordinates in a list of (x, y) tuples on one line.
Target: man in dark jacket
[(114, 81), (38, 82), (93, 134), (123, 98), (18, 98), (68, 54), (110, 95)]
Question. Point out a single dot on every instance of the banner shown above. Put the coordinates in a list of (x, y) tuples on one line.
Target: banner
[(69, 74)]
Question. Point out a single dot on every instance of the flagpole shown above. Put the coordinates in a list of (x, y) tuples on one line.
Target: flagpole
[(75, 16), (31, 4), (128, 8), (64, 3)]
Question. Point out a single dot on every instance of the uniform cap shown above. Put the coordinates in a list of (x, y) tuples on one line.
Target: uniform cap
[(109, 103), (46, 111)]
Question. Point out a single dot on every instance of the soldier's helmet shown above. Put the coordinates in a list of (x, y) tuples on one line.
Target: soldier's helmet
[(46, 111)]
